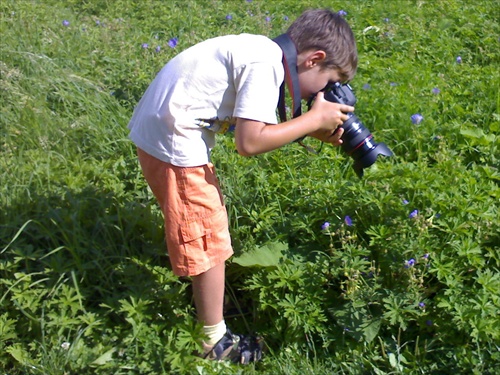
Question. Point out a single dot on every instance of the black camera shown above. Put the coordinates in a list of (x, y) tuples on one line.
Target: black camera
[(357, 140)]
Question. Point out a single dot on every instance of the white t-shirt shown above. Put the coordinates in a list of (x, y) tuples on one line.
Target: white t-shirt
[(218, 79)]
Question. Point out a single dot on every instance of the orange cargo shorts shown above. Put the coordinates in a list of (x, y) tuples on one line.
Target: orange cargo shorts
[(196, 223)]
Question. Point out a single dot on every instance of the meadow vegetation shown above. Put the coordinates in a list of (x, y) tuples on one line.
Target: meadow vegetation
[(396, 273)]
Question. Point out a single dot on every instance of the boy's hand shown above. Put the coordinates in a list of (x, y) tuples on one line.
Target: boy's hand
[(332, 114), (329, 137)]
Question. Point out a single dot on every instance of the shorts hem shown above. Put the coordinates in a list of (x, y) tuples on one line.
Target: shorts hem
[(195, 271)]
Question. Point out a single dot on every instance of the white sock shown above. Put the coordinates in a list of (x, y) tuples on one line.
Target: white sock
[(215, 332)]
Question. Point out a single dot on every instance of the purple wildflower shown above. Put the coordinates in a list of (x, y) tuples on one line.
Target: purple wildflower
[(325, 225), (436, 90), (421, 305), (285, 18), (342, 13), (172, 42), (405, 201), (65, 23), (393, 84), (416, 118), (426, 256), (413, 214), (145, 45), (158, 49), (386, 19), (268, 19), (459, 60), (410, 263), (367, 86), (229, 17), (348, 221)]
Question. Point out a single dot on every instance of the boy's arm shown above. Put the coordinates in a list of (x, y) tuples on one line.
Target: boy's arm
[(255, 137)]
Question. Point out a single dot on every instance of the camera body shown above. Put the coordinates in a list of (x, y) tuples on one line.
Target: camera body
[(357, 140)]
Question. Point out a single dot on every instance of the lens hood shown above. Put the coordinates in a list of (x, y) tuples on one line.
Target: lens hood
[(370, 157)]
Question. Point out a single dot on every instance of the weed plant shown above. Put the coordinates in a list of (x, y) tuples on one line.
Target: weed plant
[(397, 273)]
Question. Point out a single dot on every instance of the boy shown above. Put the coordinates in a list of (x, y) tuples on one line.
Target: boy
[(230, 80)]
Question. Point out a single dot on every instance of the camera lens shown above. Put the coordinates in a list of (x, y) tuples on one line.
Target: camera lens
[(354, 134), (359, 144), (357, 140)]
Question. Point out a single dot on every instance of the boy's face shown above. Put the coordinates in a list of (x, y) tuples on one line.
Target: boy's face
[(312, 78)]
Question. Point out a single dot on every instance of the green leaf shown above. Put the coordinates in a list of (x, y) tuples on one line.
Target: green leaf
[(392, 360), (265, 256), (19, 354), (106, 357), (472, 132), (371, 330)]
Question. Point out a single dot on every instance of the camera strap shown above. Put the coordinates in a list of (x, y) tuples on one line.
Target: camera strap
[(290, 66)]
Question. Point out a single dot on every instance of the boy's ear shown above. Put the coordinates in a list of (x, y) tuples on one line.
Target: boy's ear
[(316, 58)]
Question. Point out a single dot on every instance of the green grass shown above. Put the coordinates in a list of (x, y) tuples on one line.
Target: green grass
[(85, 284)]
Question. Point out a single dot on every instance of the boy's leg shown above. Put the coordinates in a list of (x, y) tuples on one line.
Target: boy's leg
[(208, 292), (197, 236)]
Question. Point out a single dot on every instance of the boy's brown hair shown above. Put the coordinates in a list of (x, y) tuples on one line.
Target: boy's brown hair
[(322, 29)]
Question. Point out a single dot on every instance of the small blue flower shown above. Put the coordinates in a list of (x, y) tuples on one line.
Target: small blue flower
[(405, 201), (410, 263), (97, 23), (459, 59), (416, 118), (436, 90), (65, 23), (268, 19), (421, 305), (172, 42), (229, 17), (158, 49), (145, 45), (367, 86), (428, 322), (426, 256), (348, 221), (386, 19), (342, 13), (285, 18), (325, 225), (413, 214), (393, 84)]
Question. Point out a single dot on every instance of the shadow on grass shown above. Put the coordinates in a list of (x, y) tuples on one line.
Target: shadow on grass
[(106, 249)]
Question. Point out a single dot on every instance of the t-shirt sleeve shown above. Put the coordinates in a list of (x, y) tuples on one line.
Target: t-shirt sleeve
[(257, 88)]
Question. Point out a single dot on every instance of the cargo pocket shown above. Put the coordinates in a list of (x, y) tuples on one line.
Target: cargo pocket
[(210, 234)]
